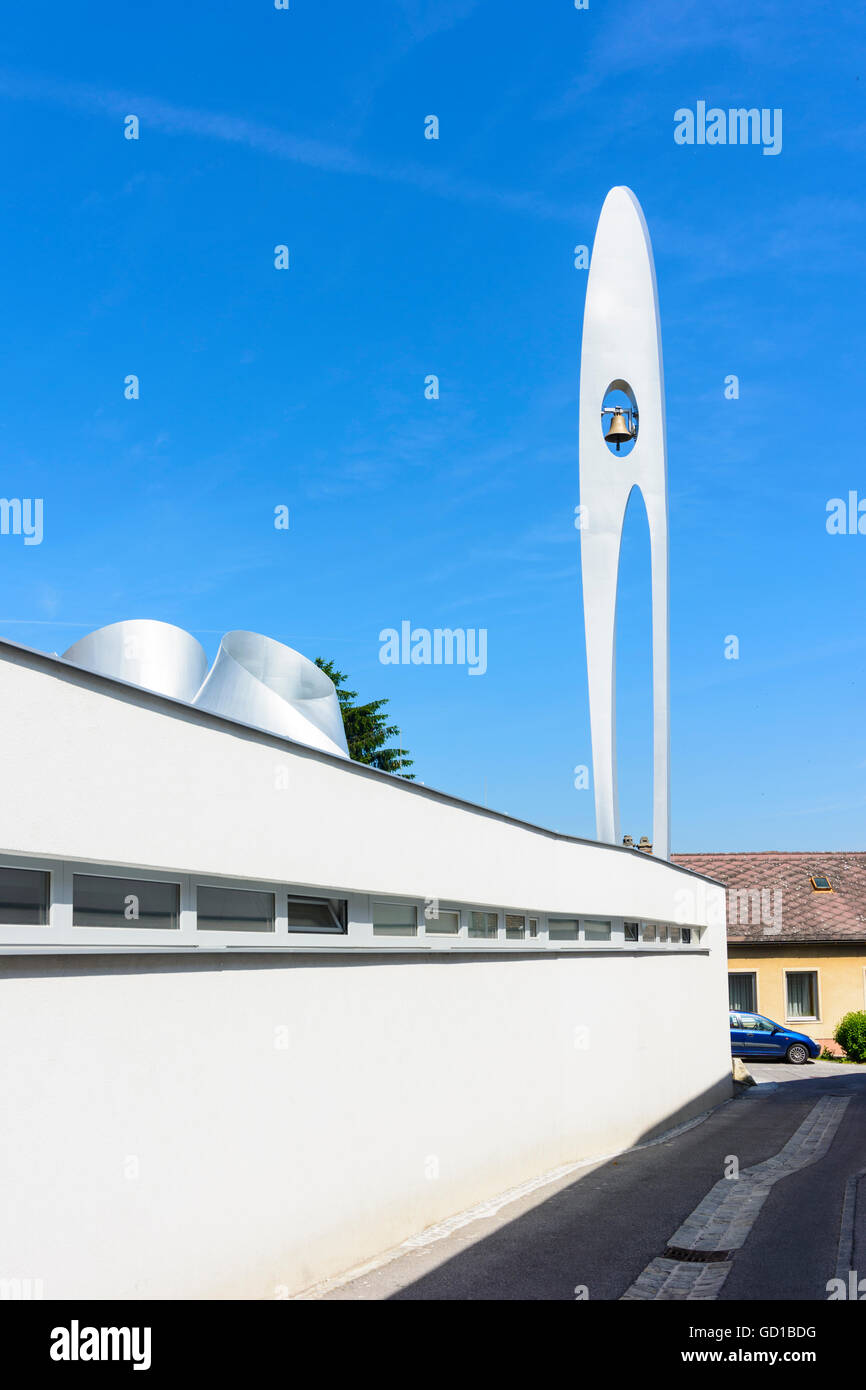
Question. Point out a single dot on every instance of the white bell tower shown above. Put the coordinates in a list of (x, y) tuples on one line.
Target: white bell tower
[(622, 351)]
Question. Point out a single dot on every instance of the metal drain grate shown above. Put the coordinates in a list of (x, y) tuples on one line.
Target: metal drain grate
[(696, 1257)]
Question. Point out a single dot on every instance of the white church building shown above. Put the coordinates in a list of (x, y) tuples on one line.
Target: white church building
[(266, 1012)]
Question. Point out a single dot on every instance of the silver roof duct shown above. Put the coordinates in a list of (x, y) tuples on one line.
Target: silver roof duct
[(158, 656), (263, 682), (254, 679)]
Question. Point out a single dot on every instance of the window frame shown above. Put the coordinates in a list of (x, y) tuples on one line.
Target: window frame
[(555, 917), (498, 935), (444, 936), (816, 997), (47, 875), (511, 934), (132, 876), (609, 940), (752, 1009), (384, 900), (61, 930), (341, 926), (211, 939), (241, 933)]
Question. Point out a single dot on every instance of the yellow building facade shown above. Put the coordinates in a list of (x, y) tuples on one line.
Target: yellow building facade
[(837, 985), (796, 934)]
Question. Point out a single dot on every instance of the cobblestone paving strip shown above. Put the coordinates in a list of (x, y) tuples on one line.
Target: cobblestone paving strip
[(723, 1220), (676, 1280)]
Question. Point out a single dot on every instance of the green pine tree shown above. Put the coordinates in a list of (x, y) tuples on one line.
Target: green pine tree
[(367, 733)]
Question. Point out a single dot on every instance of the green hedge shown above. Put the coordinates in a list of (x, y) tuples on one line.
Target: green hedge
[(851, 1036)]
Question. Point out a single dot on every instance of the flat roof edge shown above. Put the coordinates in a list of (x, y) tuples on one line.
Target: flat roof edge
[(54, 665)]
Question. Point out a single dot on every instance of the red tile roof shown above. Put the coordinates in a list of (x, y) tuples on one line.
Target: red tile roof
[(771, 899)]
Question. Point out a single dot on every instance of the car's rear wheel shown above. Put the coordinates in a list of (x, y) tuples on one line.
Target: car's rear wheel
[(797, 1054)]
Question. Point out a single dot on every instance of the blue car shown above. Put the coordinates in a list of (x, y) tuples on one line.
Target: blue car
[(752, 1035)]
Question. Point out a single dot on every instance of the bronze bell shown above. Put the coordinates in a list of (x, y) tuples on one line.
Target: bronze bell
[(620, 431)]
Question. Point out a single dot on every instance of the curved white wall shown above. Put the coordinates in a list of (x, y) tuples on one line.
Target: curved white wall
[(232, 1130), (102, 772), (230, 1125)]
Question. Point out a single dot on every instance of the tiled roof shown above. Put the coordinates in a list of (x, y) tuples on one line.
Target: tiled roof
[(771, 899)]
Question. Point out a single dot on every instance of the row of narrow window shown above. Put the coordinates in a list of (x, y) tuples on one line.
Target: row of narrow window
[(101, 900), (402, 919)]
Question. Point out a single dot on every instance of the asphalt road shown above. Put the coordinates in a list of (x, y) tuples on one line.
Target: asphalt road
[(598, 1232)]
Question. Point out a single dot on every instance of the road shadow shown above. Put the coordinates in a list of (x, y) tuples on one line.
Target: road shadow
[(595, 1232)]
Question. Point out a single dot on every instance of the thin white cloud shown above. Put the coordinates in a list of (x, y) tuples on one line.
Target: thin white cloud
[(280, 144)]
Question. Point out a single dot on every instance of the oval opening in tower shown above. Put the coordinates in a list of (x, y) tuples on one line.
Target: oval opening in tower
[(619, 418)]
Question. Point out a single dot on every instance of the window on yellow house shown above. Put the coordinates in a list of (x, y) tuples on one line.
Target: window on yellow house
[(801, 994)]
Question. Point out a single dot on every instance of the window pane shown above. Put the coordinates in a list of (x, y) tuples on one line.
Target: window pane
[(515, 926), (648, 932), (123, 902), (631, 931), (596, 931), (533, 926), (23, 898), (317, 914), (395, 919), (446, 924), (484, 924), (563, 929), (801, 994), (234, 909), (663, 933), (741, 991), (675, 934), (687, 935)]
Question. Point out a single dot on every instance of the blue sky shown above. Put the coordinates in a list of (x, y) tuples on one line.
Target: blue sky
[(409, 257)]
